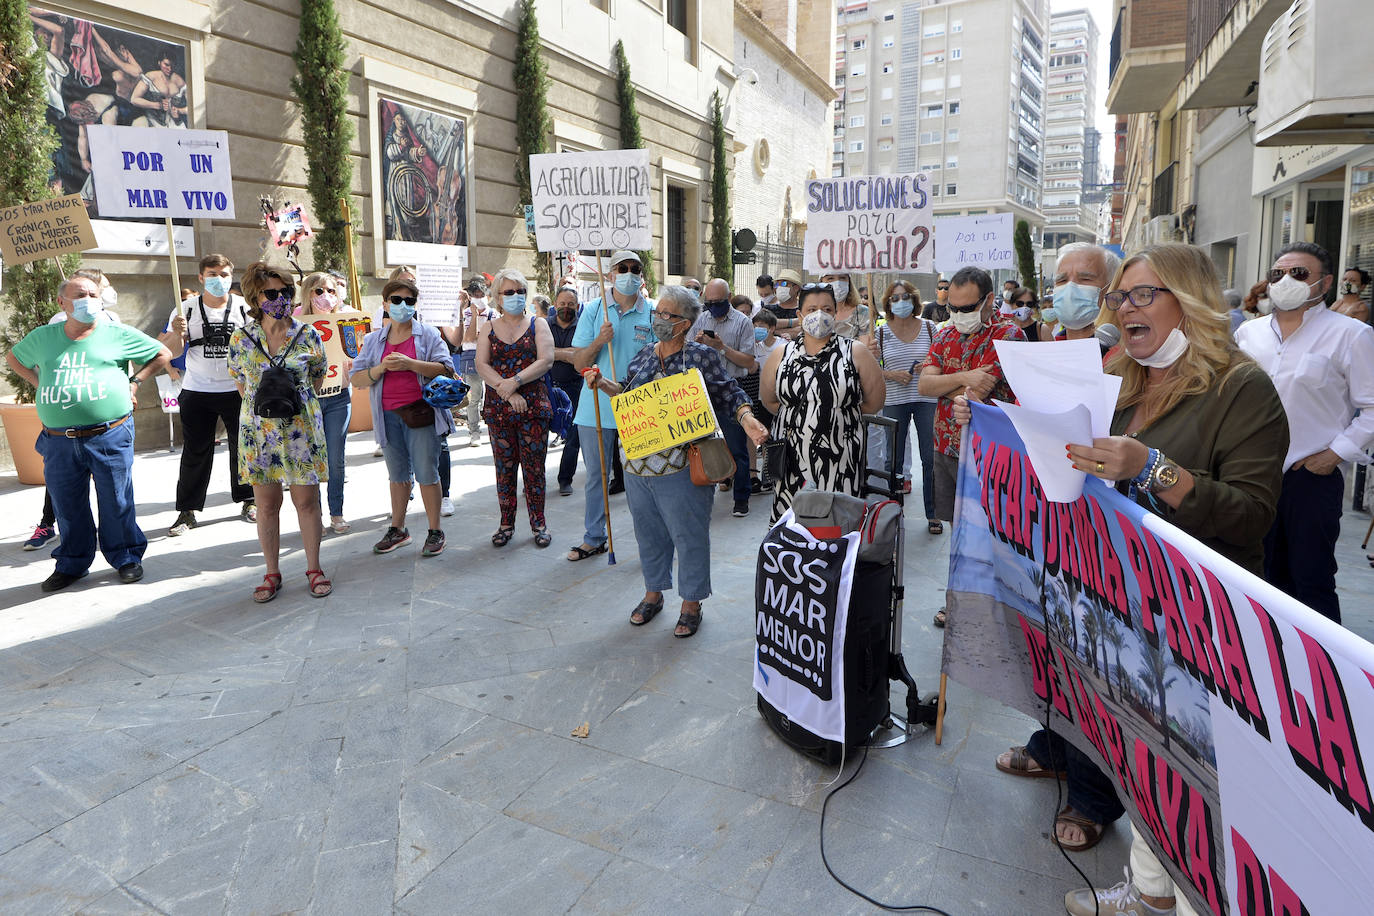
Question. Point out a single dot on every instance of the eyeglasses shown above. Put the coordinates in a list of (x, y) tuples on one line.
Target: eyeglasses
[(626, 268), (1140, 296), (272, 295), (965, 309), (1297, 273), (514, 292), (397, 300), (669, 316), (901, 297)]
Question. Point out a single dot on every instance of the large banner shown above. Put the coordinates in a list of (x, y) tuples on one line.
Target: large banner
[(592, 200), (161, 172), (1229, 716), (868, 223)]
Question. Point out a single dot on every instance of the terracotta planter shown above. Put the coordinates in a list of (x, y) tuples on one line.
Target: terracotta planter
[(361, 420), (21, 429)]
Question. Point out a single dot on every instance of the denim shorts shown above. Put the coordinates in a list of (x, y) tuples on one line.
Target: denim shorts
[(410, 451)]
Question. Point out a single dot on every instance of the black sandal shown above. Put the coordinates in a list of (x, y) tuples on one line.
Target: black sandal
[(935, 526), (541, 537), (647, 611), (583, 553), (502, 537), (690, 621), (941, 619)]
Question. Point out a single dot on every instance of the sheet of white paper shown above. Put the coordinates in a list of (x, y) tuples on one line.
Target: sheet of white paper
[(1048, 377), (1045, 434)]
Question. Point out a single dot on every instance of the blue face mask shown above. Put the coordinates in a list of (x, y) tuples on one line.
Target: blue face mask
[(87, 310), (760, 334), (217, 286), (1076, 304), (513, 304), (902, 309), (628, 284), (401, 312)]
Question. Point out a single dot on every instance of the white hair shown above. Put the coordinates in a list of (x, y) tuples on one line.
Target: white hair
[(509, 273), (1110, 262)]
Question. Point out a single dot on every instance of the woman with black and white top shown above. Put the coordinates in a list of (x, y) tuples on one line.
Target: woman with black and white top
[(902, 345)]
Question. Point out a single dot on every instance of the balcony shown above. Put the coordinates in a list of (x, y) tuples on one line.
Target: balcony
[(1147, 55), (1162, 193), (1223, 51)]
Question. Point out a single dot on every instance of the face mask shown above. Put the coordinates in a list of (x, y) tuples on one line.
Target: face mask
[(760, 334), (400, 312), (696, 293), (1076, 304), (663, 327), (109, 298), (784, 291), (479, 301), (1347, 288), (841, 288), (819, 325), (325, 302), (966, 322), (1022, 314), (1049, 316), (1290, 293), (87, 310), (627, 284), (513, 304), (1169, 352), (217, 286), (1264, 306), (718, 308), (277, 308), (902, 309), (567, 314)]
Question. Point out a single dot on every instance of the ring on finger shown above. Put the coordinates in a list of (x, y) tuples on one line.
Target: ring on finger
[(1101, 467)]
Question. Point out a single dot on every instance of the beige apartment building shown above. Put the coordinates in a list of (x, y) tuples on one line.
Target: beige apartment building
[(1072, 142)]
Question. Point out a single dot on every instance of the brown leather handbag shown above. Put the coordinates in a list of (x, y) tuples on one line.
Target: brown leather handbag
[(709, 461)]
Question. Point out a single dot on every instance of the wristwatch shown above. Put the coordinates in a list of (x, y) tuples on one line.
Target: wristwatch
[(1163, 477)]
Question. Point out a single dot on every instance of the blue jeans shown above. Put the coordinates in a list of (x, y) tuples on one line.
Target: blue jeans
[(567, 465), (594, 513), (920, 414), (1091, 792), (738, 440), (337, 410), (69, 466), (672, 513), (410, 452)]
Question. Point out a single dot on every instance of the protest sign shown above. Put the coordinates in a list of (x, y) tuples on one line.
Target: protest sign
[(874, 222), (801, 612), (592, 200), (169, 394), (342, 334), (440, 299), (974, 241), (44, 229), (666, 412), (161, 172), (1229, 716)]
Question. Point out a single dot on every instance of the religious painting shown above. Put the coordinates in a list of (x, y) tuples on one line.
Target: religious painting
[(423, 185)]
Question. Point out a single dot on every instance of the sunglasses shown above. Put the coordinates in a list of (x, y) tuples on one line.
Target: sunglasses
[(825, 286), (1140, 296), (1297, 273), (624, 268), (514, 292), (272, 295), (942, 289), (397, 300), (901, 297), (320, 291), (965, 309)]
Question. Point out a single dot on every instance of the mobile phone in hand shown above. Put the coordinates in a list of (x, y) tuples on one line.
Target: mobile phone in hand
[(709, 333)]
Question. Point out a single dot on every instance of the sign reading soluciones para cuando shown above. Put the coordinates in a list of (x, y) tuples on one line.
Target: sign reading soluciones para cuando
[(161, 172), (868, 223), (44, 229), (668, 411), (592, 200)]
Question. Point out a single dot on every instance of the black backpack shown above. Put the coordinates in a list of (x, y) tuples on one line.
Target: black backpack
[(278, 396)]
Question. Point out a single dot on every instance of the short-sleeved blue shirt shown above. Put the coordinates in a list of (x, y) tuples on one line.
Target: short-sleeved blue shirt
[(633, 332)]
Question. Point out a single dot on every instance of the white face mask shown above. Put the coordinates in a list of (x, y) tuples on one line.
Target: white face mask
[(1169, 352), (967, 322), (1264, 306), (818, 324), (1347, 288), (1290, 293), (841, 288)]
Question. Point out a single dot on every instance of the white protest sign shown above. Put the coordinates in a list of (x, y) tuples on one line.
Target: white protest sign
[(974, 241), (169, 393), (439, 302), (872, 222), (592, 200), (161, 172)]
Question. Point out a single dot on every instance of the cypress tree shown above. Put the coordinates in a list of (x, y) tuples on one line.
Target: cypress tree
[(630, 137), (1025, 259), (721, 250), (532, 122), (321, 87), (27, 144)]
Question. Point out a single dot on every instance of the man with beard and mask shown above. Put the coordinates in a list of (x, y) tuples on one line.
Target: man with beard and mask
[(1353, 282), (937, 309), (962, 361), (1080, 279), (768, 295), (563, 324), (1322, 364), (731, 334)]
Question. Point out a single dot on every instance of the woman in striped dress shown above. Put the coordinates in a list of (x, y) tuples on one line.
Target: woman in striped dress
[(902, 345)]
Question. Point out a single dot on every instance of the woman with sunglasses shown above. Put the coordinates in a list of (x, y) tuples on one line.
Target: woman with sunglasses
[(394, 363), (323, 295), (902, 345), (1019, 309), (820, 385), (512, 358), (277, 452)]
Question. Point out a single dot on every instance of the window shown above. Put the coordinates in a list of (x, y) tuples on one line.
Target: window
[(857, 96), (676, 222), (935, 190), (930, 136), (956, 81), (888, 17), (952, 135), (884, 145), (888, 41), (885, 119), (933, 31), (952, 162), (957, 25), (677, 14), (934, 57), (956, 53), (858, 70), (954, 108), (951, 190), (885, 94), (934, 84), (857, 146), (933, 111), (856, 121), (887, 68), (860, 44)]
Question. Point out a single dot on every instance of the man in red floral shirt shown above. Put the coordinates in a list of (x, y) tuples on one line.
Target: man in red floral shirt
[(963, 360)]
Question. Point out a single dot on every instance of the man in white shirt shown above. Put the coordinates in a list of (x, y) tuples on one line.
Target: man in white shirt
[(730, 333), (1322, 364), (208, 393)]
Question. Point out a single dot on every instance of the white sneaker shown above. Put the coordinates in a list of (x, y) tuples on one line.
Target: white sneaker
[(377, 452), (474, 439), (446, 507), (1121, 899)]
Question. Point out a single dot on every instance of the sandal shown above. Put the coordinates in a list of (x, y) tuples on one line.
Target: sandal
[(940, 620), (647, 610), (541, 537), (271, 584), (688, 622), (502, 536), (582, 552), (935, 526), (1023, 764), (317, 581), (1092, 831)]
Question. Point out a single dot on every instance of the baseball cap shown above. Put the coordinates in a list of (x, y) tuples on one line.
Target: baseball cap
[(789, 276), (624, 255)]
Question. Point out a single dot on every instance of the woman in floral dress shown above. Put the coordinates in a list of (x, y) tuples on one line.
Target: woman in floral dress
[(276, 452)]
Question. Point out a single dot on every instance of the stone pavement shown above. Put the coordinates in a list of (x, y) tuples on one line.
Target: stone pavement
[(405, 744)]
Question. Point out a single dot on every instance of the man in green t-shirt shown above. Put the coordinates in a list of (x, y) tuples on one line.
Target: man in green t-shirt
[(86, 403)]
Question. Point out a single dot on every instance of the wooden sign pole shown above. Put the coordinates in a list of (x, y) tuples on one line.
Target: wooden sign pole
[(176, 273), (355, 295)]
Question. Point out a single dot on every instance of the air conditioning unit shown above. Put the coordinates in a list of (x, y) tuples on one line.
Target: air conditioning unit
[(1161, 229), (1310, 89)]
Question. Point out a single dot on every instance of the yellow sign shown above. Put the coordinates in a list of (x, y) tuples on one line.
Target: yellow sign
[(44, 229), (342, 334), (666, 412)]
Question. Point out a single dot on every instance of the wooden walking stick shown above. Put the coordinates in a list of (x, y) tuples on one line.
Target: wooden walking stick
[(605, 487), (605, 311), (940, 709)]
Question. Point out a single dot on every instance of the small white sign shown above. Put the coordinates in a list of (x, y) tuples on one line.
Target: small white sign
[(169, 393), (974, 241), (592, 200), (440, 294), (156, 172)]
